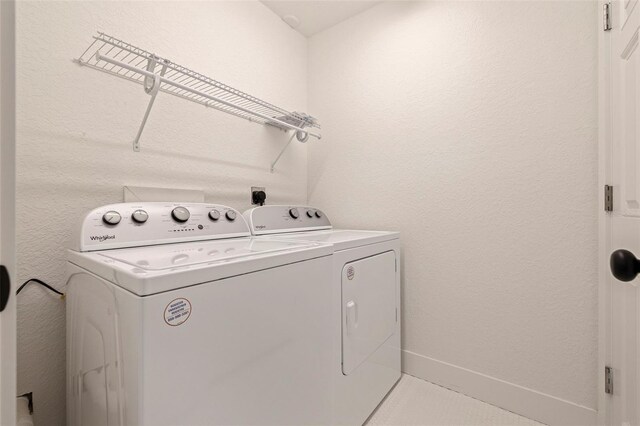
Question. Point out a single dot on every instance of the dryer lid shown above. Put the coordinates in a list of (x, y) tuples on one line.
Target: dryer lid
[(341, 239)]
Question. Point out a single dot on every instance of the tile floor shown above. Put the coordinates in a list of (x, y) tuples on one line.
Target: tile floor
[(417, 402)]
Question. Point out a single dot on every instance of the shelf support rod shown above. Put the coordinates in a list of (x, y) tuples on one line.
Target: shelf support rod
[(273, 165), (151, 86), (284, 124)]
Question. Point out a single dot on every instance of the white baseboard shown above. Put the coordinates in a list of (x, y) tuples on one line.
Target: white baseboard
[(517, 399)]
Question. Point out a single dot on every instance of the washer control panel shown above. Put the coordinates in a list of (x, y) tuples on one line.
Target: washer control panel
[(278, 219), (140, 224)]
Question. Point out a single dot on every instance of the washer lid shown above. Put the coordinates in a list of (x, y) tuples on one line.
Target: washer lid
[(341, 239), (154, 269), (158, 258)]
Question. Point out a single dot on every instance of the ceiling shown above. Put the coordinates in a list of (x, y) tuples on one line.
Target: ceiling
[(312, 16)]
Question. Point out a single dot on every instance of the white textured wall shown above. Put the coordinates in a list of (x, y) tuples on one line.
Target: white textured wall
[(75, 127), (470, 127)]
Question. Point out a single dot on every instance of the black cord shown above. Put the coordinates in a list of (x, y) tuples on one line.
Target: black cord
[(42, 283)]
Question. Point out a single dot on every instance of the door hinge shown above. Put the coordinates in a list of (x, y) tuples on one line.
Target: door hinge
[(606, 16), (608, 380), (608, 198)]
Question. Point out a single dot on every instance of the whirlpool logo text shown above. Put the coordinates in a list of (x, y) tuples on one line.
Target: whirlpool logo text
[(102, 238)]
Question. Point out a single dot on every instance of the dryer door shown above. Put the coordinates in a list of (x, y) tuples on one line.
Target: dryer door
[(368, 307)]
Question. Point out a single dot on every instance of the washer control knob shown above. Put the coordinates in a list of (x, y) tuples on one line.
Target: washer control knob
[(231, 215), (140, 216), (180, 214), (318, 214), (309, 213), (214, 215), (111, 217), (294, 213)]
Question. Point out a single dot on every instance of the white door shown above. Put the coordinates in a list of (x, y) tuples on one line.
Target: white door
[(7, 207), (620, 315)]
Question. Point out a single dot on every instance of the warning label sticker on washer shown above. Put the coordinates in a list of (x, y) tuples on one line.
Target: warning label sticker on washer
[(177, 312)]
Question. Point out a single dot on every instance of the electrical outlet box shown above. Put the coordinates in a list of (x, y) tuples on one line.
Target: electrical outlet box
[(258, 195)]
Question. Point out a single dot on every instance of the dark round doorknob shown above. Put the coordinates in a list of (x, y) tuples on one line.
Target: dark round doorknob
[(624, 265)]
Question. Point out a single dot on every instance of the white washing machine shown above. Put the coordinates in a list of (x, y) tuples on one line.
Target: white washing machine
[(176, 316), (366, 298)]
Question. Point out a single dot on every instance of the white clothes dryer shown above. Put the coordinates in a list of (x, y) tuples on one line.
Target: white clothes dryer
[(366, 298)]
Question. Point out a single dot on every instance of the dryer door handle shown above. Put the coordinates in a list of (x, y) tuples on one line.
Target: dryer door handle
[(352, 317)]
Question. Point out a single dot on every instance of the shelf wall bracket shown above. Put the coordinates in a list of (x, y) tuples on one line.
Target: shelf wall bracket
[(151, 86)]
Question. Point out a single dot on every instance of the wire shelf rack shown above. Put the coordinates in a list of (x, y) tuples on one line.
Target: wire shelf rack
[(156, 74)]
